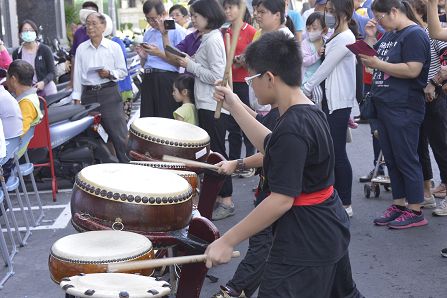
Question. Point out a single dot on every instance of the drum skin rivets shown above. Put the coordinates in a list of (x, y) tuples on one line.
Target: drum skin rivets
[(153, 292), (166, 286), (118, 223), (67, 286), (65, 279), (89, 292), (124, 294)]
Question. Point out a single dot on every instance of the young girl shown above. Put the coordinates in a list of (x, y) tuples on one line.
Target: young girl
[(183, 91), (313, 50)]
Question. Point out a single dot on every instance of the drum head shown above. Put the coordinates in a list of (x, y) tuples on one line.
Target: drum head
[(101, 247), (134, 184), (182, 134), (115, 285)]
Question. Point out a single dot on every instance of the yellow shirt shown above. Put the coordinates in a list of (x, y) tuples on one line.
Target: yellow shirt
[(187, 113), (29, 113), (257, 35)]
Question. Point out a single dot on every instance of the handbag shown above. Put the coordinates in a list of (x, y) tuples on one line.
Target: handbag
[(367, 107)]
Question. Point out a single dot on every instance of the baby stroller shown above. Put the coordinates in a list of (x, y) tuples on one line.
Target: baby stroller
[(377, 180)]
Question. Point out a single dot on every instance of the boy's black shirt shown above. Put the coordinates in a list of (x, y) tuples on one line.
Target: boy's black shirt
[(299, 157)]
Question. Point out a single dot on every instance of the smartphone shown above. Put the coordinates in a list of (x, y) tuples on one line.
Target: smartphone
[(174, 51), (169, 24)]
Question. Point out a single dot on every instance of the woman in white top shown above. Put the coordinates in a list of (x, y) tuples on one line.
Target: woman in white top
[(338, 73)]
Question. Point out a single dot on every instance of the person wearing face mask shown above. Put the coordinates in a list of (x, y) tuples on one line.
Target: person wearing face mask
[(338, 73), (39, 56), (313, 49)]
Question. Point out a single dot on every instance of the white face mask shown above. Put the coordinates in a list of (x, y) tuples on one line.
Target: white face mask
[(314, 35)]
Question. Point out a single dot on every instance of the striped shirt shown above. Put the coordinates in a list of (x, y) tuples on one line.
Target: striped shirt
[(437, 48)]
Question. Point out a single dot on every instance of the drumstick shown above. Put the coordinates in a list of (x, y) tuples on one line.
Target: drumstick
[(236, 31), (230, 75), (128, 266), (190, 163)]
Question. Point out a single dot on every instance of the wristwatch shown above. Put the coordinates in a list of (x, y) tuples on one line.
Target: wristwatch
[(240, 166)]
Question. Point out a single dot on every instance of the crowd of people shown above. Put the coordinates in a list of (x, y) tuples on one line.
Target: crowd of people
[(293, 88)]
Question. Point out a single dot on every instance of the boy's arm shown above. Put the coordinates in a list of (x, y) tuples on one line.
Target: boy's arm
[(29, 113)]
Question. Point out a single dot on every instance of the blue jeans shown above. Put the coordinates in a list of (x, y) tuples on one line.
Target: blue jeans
[(338, 124), (399, 137)]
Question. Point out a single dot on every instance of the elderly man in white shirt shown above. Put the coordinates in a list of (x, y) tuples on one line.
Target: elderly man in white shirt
[(99, 64)]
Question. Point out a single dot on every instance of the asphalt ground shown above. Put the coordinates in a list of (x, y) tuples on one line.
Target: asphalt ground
[(385, 263)]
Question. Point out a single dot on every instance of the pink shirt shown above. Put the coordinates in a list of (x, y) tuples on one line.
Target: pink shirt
[(5, 59)]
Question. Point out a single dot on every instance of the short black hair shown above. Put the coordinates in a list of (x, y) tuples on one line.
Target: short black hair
[(22, 71), (316, 16), (211, 10), (180, 8), (151, 4), (90, 4), (275, 6), (255, 3), (247, 16), (31, 23), (185, 82), (278, 53)]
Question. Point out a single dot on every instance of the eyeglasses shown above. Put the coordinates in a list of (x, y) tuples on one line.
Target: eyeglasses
[(378, 19), (249, 80), (151, 20)]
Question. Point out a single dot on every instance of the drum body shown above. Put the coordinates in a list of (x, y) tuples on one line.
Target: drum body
[(155, 137), (132, 198), (91, 252), (115, 285), (176, 168)]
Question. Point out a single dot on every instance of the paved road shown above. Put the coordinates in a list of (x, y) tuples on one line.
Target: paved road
[(386, 263)]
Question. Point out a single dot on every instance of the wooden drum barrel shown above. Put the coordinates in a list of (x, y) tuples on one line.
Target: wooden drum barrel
[(130, 197), (155, 137), (91, 252)]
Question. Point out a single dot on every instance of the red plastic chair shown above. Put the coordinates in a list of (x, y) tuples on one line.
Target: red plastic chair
[(42, 139)]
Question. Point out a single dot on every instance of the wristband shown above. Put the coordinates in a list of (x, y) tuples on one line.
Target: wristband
[(436, 84), (240, 166)]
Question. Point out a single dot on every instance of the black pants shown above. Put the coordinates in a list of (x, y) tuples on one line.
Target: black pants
[(216, 130), (235, 133), (434, 132), (326, 281), (156, 95), (112, 117)]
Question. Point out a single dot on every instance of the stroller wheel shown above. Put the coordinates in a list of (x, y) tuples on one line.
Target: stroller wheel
[(367, 191), (376, 190)]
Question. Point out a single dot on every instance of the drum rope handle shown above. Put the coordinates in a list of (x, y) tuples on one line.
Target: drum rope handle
[(118, 221), (84, 216), (128, 266)]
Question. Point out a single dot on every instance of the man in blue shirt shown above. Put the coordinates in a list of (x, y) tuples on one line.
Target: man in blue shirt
[(159, 75)]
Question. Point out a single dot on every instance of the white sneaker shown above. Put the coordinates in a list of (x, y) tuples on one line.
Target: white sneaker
[(429, 202), (442, 209), (350, 212)]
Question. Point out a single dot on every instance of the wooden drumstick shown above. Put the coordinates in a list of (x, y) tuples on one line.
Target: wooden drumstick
[(227, 48), (190, 163), (236, 31), (128, 266)]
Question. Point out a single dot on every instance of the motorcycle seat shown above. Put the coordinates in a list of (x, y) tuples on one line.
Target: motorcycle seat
[(57, 114), (51, 99)]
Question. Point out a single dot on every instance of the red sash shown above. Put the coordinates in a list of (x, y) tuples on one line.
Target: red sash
[(314, 198)]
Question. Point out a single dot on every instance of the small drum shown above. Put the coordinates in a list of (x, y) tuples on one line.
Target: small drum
[(115, 285), (155, 137), (91, 252), (130, 197), (176, 168)]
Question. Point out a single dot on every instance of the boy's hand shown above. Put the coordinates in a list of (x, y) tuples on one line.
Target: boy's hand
[(218, 252), (227, 167), (226, 95)]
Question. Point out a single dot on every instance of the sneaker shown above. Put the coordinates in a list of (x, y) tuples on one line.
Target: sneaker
[(439, 191), (408, 219), (442, 209), (444, 252), (429, 202), (227, 292), (388, 216), (222, 212), (368, 177), (349, 211)]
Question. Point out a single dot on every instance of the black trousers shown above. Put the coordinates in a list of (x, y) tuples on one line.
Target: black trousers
[(216, 130), (434, 132), (326, 281), (156, 95), (112, 117), (235, 134)]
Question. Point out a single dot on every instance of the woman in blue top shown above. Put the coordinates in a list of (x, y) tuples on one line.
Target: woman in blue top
[(400, 75)]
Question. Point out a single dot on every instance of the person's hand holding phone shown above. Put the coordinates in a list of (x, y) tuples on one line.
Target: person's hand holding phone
[(104, 73), (152, 49)]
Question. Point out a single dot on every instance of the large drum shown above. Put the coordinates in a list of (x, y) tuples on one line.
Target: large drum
[(155, 137), (130, 197), (115, 285), (91, 252), (176, 168)]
